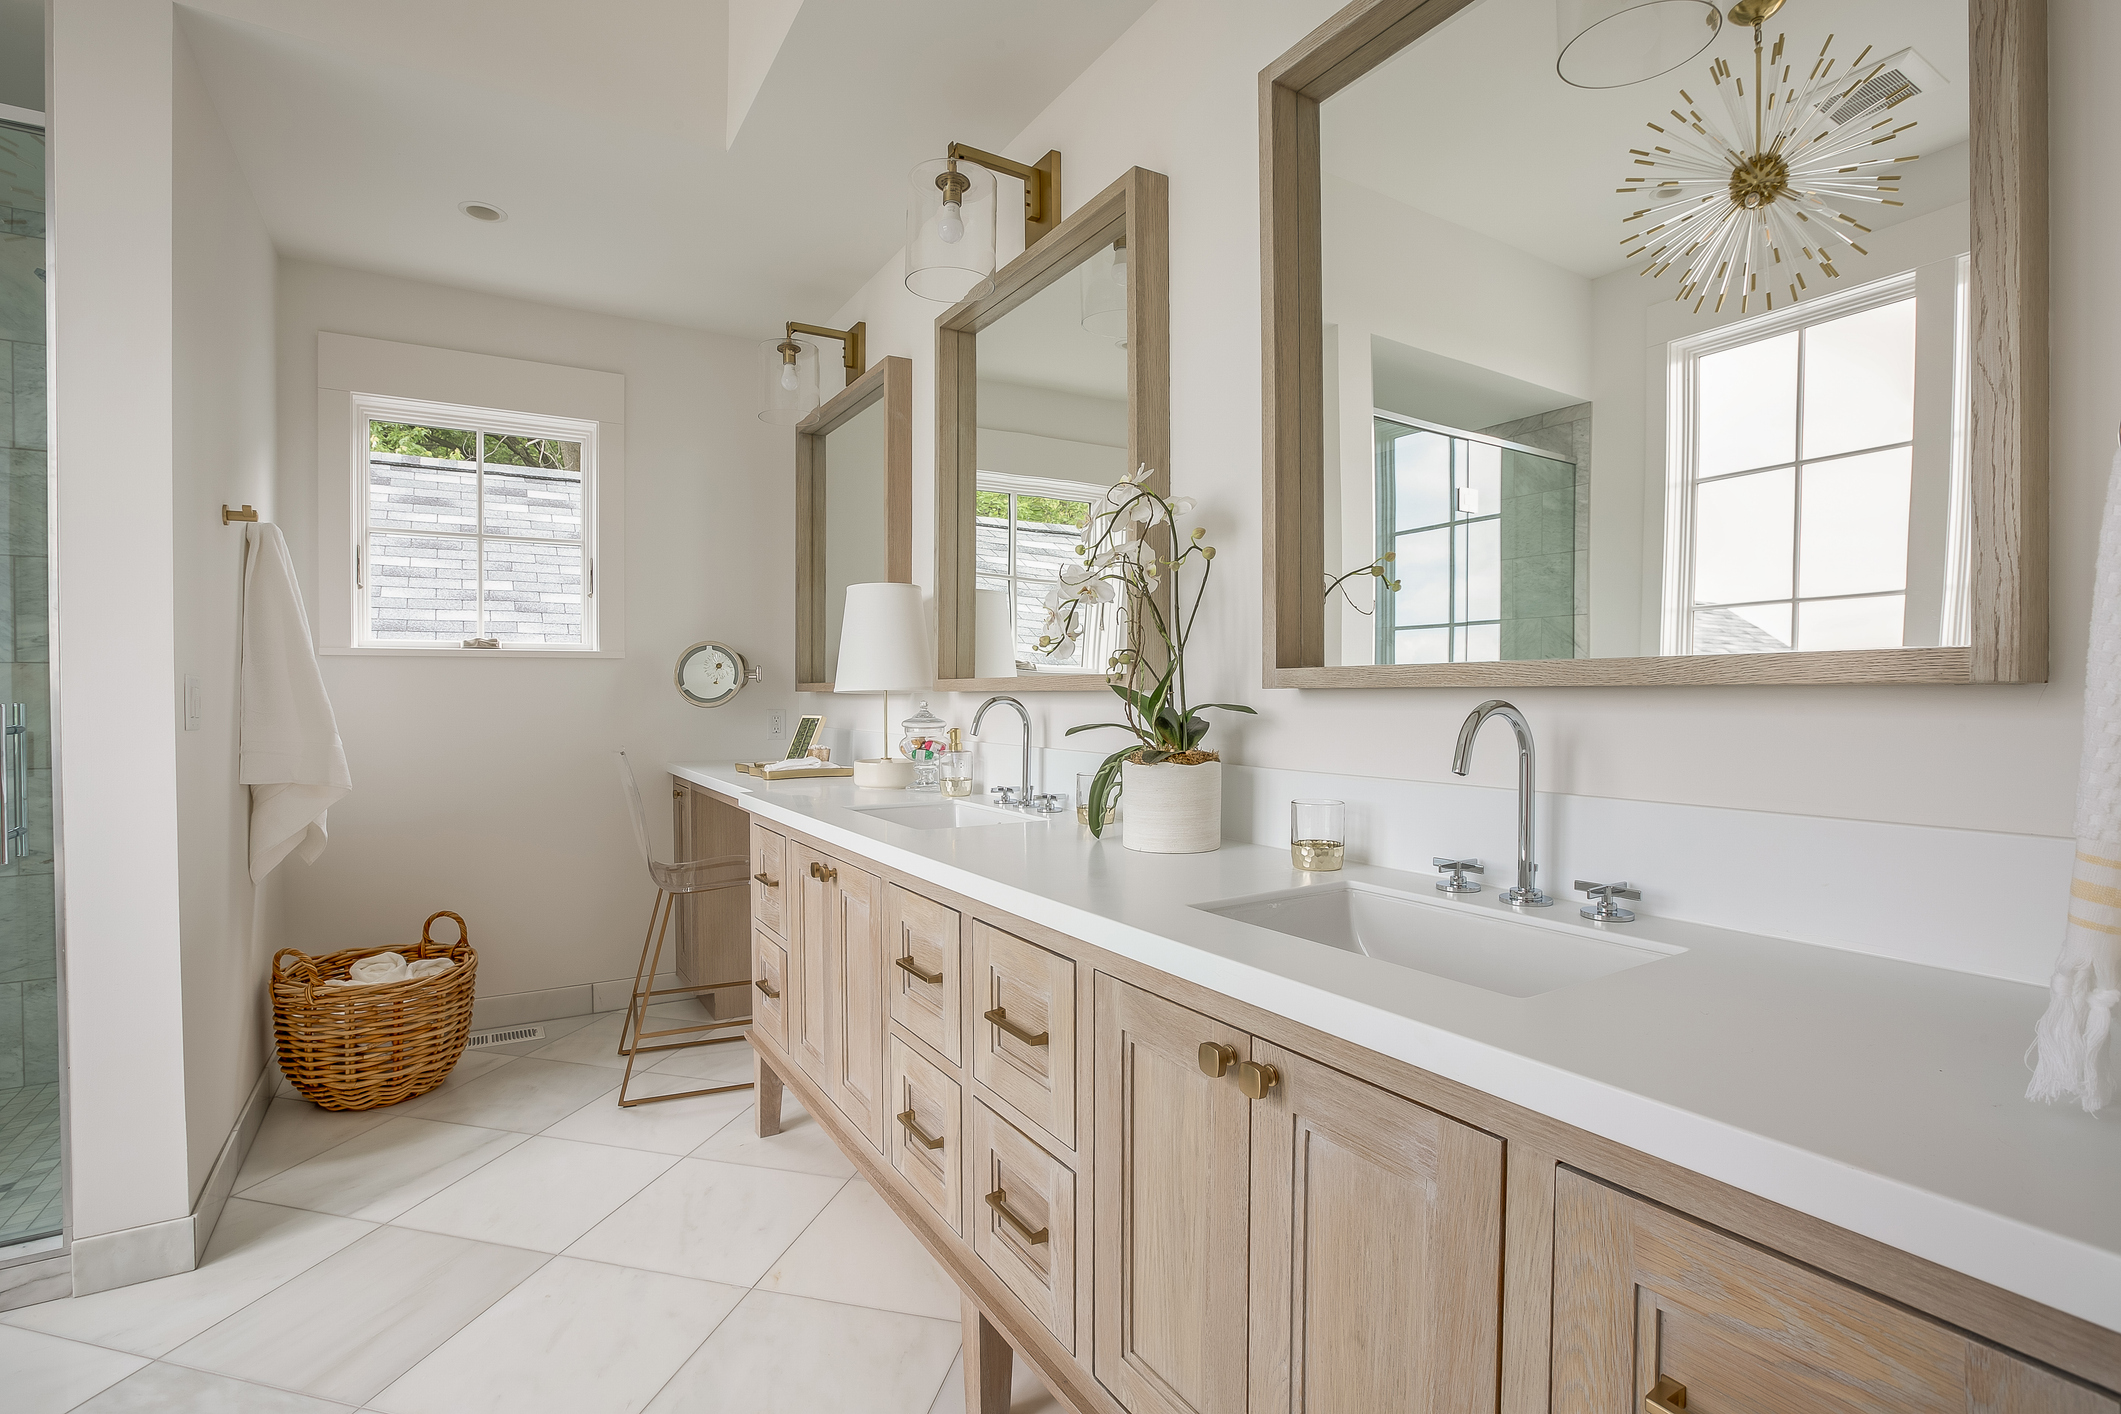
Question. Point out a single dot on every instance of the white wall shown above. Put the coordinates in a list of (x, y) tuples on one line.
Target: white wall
[(485, 786)]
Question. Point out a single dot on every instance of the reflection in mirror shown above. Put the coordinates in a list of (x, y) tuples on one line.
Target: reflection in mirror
[(1052, 437), (853, 508), (1567, 456), (857, 549)]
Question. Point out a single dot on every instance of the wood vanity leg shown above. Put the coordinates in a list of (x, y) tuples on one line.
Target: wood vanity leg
[(766, 1090), (987, 1361)]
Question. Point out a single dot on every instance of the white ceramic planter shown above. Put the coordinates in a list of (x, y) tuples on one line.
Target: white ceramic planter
[(1172, 809)]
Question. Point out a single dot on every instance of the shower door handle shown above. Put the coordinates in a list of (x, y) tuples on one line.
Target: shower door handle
[(14, 784)]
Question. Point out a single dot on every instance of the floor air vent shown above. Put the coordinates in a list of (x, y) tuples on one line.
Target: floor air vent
[(504, 1038)]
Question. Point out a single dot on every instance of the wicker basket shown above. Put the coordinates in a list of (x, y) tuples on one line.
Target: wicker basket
[(354, 1048)]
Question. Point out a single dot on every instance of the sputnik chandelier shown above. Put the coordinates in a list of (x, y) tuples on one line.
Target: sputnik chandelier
[(1744, 219)]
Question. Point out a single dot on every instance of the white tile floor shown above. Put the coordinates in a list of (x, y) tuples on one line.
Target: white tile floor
[(515, 1241)]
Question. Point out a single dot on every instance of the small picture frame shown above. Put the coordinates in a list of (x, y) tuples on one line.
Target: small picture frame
[(806, 730)]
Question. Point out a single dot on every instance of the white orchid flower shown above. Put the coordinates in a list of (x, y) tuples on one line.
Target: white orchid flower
[(1062, 652)]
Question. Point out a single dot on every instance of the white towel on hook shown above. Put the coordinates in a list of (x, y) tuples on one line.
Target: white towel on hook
[(2071, 1055), (291, 758)]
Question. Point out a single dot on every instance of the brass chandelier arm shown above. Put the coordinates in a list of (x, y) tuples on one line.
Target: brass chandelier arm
[(853, 343), (1042, 195)]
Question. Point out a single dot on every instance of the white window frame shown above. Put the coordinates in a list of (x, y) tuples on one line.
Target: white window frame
[(362, 378), (1056, 489), (1683, 357)]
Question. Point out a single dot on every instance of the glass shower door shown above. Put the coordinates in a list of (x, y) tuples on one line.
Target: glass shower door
[(30, 1186)]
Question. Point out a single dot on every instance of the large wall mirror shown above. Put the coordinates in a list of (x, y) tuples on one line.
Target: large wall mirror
[(853, 508), (1644, 369), (1048, 390)]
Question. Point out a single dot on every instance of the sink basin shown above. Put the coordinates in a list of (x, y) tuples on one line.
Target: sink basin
[(1461, 941), (943, 815)]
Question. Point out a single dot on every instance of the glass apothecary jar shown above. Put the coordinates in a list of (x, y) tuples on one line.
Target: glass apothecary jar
[(923, 742)]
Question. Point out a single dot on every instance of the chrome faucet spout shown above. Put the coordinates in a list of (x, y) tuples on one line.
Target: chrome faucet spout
[(1526, 893), (1023, 789)]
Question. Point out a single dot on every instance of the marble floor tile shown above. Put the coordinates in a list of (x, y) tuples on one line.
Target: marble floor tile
[(594, 1044), (859, 1252), (543, 1194), (524, 1095), (669, 1127), (47, 1375), (765, 1359), (172, 1389), (470, 1066), (717, 1222), (554, 1030), (577, 1338), (381, 1172), (801, 1146), (724, 1063), (357, 1320), (295, 1130), (1027, 1394), (255, 1248)]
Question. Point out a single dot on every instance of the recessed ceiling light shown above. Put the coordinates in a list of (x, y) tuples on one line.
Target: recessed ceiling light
[(482, 211)]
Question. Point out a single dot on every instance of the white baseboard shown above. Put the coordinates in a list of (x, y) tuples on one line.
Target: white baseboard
[(28, 1283), (221, 1179), (134, 1254)]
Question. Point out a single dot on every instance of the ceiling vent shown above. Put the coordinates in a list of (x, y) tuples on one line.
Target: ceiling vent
[(1899, 77)]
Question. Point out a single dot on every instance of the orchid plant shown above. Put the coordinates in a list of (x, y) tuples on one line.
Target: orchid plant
[(1120, 560)]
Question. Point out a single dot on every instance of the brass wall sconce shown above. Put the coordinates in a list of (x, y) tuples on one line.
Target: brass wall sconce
[(788, 368), (950, 219)]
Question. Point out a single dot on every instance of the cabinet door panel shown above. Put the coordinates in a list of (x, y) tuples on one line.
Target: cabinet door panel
[(1019, 1186), (926, 1109), (769, 883), (1376, 1249), (854, 973), (1172, 1178), (927, 935), (810, 917), (1020, 989), (769, 985)]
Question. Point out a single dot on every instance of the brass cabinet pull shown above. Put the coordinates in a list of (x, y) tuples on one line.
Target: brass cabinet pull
[(1216, 1058), (760, 983), (1669, 1397), (822, 874), (769, 883), (927, 1141), (1000, 1017), (1256, 1079), (997, 1200), (907, 964)]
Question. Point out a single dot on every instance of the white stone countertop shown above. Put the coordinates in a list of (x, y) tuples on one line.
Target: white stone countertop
[(1881, 1096)]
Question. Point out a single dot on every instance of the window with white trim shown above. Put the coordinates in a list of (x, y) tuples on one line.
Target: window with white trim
[(475, 528), (1026, 531)]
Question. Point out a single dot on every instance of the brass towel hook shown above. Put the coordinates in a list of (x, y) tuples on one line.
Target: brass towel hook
[(228, 515)]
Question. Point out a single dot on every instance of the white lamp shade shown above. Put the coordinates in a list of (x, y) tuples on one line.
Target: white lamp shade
[(1104, 287), (947, 271), (993, 634), (884, 640), (1613, 43)]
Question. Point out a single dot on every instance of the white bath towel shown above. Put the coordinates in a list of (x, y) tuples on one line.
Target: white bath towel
[(291, 757), (381, 967), (2071, 1055)]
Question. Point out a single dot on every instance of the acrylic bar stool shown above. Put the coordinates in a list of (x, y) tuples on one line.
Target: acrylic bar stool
[(672, 882)]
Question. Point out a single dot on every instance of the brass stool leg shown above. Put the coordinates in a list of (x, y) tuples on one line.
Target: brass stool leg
[(633, 1021), (637, 1010)]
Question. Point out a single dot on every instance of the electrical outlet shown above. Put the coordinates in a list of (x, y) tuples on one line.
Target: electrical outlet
[(776, 722), (194, 703)]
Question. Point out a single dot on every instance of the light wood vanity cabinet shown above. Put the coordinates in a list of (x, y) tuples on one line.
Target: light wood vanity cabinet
[(836, 1017), (926, 982)]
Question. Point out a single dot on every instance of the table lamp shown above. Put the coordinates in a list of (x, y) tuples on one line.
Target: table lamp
[(884, 648)]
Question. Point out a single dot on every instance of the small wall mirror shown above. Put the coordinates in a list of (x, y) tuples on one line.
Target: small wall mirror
[(853, 508), (709, 674), (1048, 391), (1634, 419)]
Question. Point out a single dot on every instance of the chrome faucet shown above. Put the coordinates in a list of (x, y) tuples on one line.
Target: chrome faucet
[(1524, 895), (1022, 794)]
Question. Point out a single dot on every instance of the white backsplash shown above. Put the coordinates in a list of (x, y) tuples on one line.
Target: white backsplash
[(1968, 900)]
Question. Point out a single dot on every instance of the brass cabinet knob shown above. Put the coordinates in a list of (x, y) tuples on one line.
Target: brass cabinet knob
[(1668, 1397), (1256, 1079), (1216, 1058), (823, 874)]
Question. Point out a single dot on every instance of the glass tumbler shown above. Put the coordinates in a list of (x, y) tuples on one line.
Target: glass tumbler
[(1083, 781), (956, 772), (1317, 834)]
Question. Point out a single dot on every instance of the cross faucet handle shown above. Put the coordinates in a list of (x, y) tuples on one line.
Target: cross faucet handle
[(1605, 910), (1458, 883), (1007, 794)]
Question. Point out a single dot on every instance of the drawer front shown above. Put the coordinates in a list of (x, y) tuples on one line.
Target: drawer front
[(1649, 1303), (769, 988), (810, 916), (926, 1125), (926, 978), (1023, 1220), (769, 888), (1023, 1046)]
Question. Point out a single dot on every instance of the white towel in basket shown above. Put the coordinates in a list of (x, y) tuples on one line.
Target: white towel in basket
[(381, 967)]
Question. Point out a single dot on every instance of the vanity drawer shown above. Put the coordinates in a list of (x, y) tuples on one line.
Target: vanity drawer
[(1023, 1045), (927, 972), (925, 1129), (769, 987), (769, 857), (1023, 1220)]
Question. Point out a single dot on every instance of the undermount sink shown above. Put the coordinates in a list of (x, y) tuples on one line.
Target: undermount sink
[(1456, 940), (943, 815)]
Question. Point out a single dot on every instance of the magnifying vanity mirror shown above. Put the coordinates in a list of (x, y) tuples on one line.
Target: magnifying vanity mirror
[(1048, 390), (853, 508), (710, 674), (1730, 373)]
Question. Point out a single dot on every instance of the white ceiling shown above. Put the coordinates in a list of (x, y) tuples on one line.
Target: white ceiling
[(1042, 344), (1473, 125), (604, 131)]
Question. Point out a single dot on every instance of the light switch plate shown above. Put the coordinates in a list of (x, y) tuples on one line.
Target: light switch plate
[(194, 702)]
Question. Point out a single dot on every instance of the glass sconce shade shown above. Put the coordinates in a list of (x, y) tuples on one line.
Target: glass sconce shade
[(1613, 43), (949, 247), (787, 391), (1105, 292)]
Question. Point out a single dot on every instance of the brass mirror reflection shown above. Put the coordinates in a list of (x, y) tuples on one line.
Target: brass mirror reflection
[(853, 508), (1746, 384)]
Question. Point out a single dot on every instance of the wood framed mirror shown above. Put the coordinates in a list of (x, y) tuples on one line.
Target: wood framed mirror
[(1048, 390), (1503, 343), (853, 507)]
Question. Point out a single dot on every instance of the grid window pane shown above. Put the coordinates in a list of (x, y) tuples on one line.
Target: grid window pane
[(1876, 622), (1859, 381), (1480, 561), (1424, 571), (1742, 537), (422, 478), (1423, 645), (422, 587), (540, 498), (1852, 533), (1421, 479), (533, 592), (1478, 643), (1746, 406), (1743, 628)]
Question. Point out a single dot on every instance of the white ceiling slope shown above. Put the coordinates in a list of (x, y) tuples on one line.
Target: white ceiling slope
[(601, 129)]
